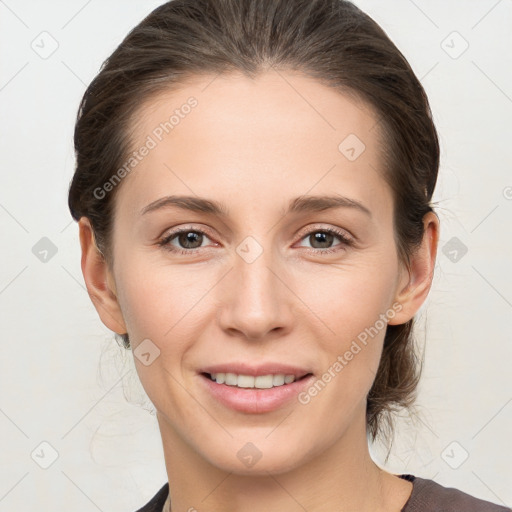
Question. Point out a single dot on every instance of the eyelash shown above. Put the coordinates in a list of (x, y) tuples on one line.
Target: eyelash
[(345, 241)]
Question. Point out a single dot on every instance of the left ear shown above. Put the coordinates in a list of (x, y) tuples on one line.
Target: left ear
[(416, 281)]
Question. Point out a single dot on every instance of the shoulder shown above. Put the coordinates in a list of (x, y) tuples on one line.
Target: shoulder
[(157, 501), (428, 495)]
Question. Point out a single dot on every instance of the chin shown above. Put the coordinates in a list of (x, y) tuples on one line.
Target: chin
[(257, 458)]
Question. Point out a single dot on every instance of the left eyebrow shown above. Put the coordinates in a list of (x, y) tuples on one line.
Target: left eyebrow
[(320, 203), (298, 205)]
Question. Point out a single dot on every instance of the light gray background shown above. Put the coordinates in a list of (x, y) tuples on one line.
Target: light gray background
[(63, 379)]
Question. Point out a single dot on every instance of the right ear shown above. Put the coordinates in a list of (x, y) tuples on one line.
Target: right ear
[(98, 280)]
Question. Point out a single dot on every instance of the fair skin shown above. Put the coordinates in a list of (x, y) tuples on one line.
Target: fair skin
[(254, 146)]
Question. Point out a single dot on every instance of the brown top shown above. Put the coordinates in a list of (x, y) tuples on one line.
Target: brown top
[(426, 496), (429, 496)]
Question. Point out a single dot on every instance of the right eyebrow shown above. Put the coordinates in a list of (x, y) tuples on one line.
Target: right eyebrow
[(191, 203)]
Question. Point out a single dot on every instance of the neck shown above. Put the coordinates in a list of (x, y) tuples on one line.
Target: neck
[(342, 477)]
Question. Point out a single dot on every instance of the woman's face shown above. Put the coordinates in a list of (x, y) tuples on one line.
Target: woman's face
[(289, 266)]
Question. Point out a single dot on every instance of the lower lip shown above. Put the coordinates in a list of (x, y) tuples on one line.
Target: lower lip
[(253, 400)]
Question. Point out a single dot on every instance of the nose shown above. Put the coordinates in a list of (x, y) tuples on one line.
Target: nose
[(255, 301)]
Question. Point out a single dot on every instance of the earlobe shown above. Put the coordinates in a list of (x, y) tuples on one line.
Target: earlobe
[(414, 288), (98, 280)]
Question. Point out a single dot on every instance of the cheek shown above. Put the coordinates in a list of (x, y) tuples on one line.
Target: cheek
[(163, 303), (356, 311), (351, 298), (158, 300), (355, 304)]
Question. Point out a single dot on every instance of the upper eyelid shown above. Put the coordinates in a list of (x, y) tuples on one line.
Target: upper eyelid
[(316, 227), (173, 232)]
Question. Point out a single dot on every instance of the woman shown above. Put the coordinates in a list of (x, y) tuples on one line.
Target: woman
[(253, 190)]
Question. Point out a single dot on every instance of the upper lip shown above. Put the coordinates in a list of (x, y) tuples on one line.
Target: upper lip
[(241, 368)]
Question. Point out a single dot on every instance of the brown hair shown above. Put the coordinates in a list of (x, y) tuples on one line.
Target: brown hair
[(332, 41)]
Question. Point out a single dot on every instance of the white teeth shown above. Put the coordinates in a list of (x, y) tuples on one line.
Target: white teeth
[(263, 382), (249, 381), (278, 380), (231, 379), (245, 381)]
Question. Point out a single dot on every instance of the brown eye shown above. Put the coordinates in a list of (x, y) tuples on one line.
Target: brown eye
[(184, 241), (322, 240), (189, 239)]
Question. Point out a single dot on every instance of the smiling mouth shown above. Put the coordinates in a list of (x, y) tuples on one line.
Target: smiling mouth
[(251, 382)]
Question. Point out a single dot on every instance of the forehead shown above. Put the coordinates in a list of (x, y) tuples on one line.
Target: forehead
[(281, 134)]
